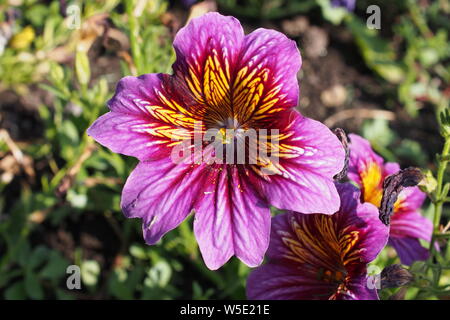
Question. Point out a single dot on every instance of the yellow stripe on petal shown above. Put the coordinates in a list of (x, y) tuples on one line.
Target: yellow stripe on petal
[(372, 179)]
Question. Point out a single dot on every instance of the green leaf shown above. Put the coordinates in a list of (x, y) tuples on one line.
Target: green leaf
[(16, 291), (333, 14), (378, 131), (82, 68), (56, 266), (376, 51), (138, 252), (33, 286), (39, 255)]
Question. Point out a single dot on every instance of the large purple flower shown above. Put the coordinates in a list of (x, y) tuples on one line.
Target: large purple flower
[(320, 257), (223, 80), (368, 170)]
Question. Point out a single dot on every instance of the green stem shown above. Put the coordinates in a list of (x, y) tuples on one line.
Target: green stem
[(134, 34), (439, 202)]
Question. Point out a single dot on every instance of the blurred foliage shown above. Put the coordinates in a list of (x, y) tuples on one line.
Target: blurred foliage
[(76, 180)]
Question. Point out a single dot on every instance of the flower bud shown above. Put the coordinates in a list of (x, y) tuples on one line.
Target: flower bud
[(395, 276)]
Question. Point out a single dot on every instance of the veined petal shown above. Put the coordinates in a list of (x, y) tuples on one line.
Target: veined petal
[(207, 51), (363, 218), (286, 282), (129, 135), (358, 289), (232, 76), (265, 80), (145, 119), (411, 224), (364, 163), (309, 156), (162, 193), (231, 220), (410, 199), (407, 224)]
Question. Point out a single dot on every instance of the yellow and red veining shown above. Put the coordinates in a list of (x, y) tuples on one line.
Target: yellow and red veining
[(323, 247), (248, 95), (217, 94), (372, 176)]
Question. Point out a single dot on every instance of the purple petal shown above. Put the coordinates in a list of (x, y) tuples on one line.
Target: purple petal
[(358, 289), (410, 199), (268, 62), (207, 51), (306, 184), (231, 219), (411, 224), (162, 194), (211, 34), (126, 134), (144, 120), (245, 77), (364, 218), (391, 168), (409, 250), (361, 154), (286, 282)]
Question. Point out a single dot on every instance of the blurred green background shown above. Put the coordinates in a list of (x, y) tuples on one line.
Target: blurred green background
[(60, 191)]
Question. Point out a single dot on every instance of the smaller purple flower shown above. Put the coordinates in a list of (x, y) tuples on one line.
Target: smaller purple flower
[(348, 4), (368, 170), (321, 257)]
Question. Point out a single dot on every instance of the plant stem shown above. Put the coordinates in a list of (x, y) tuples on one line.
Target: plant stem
[(134, 34), (439, 202)]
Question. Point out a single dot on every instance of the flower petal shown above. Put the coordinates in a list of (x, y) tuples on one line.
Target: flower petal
[(411, 224), (266, 76), (361, 158), (207, 50), (145, 119), (230, 75), (308, 160), (409, 249), (286, 282), (126, 134), (231, 219), (358, 289), (362, 217), (162, 193), (391, 168), (410, 199)]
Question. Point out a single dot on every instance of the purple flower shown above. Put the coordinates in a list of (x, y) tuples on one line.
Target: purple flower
[(348, 4), (368, 170), (224, 80), (322, 257)]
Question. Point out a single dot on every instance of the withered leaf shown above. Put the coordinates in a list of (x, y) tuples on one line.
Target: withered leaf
[(340, 133), (392, 186)]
